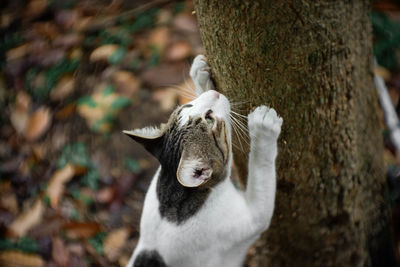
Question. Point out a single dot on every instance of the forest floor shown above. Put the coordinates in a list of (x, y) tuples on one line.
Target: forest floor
[(73, 75)]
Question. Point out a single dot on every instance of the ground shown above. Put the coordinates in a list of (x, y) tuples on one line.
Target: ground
[(73, 75)]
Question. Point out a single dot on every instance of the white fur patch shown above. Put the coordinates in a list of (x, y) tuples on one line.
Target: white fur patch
[(147, 132)]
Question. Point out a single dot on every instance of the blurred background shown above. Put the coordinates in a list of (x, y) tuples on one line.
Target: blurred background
[(73, 75)]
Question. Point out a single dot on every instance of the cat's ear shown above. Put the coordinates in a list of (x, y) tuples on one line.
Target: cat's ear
[(149, 137), (192, 171)]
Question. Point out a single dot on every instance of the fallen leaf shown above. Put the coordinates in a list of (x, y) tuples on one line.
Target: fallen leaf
[(59, 252), (65, 112), (114, 242), (18, 52), (126, 83), (165, 74), (20, 112), (101, 108), (27, 219), (38, 124), (68, 40), (105, 195), (20, 259), (163, 17), (67, 18), (9, 202), (185, 22), (178, 51), (167, 97), (64, 88), (55, 188), (382, 72), (35, 8), (159, 38), (77, 249), (81, 229), (46, 29), (103, 52)]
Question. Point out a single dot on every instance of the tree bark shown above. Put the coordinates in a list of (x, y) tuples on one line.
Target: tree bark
[(312, 62)]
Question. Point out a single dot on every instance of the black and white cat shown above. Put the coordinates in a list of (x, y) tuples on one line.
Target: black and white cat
[(193, 215)]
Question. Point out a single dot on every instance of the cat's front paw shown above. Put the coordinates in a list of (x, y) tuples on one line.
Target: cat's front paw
[(200, 74), (264, 121)]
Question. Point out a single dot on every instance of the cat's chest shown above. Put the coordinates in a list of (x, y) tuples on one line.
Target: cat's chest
[(197, 230)]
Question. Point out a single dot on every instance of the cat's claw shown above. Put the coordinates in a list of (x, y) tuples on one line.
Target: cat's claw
[(200, 74), (264, 121)]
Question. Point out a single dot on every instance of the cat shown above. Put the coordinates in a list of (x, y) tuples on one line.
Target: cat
[(193, 215)]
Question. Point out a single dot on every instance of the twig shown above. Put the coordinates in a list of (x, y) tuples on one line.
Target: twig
[(391, 119), (110, 21)]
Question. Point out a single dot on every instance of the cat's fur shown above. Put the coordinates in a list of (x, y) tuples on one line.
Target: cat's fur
[(193, 215)]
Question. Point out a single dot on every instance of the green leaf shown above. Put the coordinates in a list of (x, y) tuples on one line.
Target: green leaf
[(97, 242), (86, 100), (91, 179), (117, 56), (144, 21), (25, 244), (120, 103), (76, 154), (132, 165), (155, 57), (108, 90)]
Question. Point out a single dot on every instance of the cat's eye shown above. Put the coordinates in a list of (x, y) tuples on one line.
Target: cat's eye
[(187, 106), (209, 119)]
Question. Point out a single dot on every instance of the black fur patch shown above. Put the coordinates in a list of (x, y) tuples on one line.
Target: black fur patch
[(177, 203), (149, 258)]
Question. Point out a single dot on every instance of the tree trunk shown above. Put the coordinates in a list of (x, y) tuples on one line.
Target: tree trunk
[(312, 62)]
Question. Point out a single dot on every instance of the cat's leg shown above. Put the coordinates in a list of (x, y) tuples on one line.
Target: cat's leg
[(200, 74), (264, 128)]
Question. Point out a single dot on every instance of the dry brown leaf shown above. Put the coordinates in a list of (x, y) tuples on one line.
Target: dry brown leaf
[(9, 202), (59, 252), (20, 112), (382, 72), (105, 195), (55, 188), (18, 52), (67, 18), (20, 259), (103, 52), (66, 111), (165, 74), (81, 229), (178, 51), (36, 7), (64, 88), (27, 219), (167, 97), (38, 124), (68, 40), (185, 22), (114, 242), (159, 38), (46, 29), (126, 83), (164, 16)]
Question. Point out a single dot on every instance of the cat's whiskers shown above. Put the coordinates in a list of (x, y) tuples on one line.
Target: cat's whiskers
[(189, 87), (182, 92), (239, 136), (239, 115)]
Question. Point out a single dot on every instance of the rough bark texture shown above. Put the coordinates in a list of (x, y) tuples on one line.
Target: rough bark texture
[(311, 61)]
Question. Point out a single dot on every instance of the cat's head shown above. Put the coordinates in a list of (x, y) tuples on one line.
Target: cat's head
[(196, 141)]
